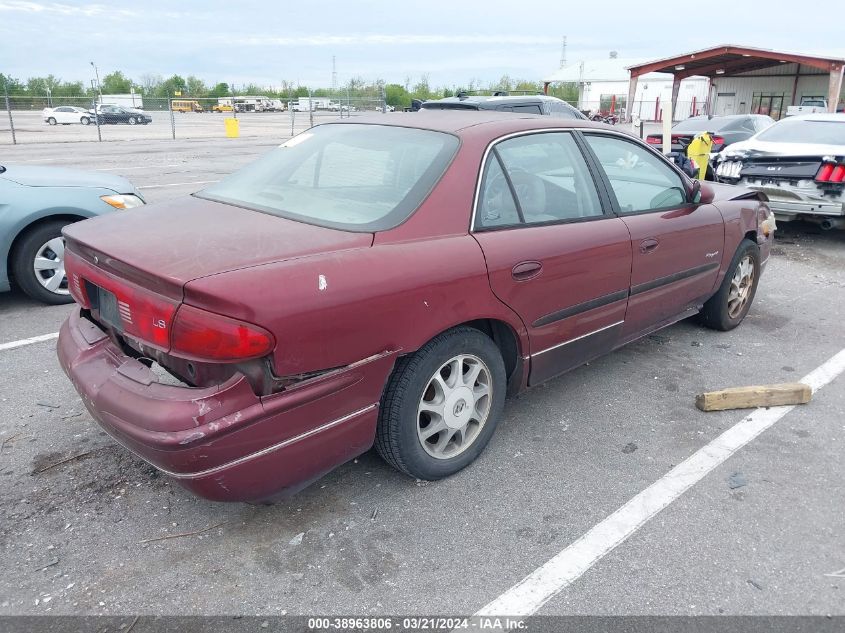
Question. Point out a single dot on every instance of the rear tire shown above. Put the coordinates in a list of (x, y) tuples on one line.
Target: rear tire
[(33, 249), (459, 373), (728, 307)]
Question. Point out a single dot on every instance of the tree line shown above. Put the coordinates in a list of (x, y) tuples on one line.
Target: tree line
[(152, 85)]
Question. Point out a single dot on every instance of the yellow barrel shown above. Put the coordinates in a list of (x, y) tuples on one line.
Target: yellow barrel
[(233, 127)]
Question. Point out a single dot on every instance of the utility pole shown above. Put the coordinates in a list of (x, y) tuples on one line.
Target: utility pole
[(334, 73), (100, 102), (563, 53)]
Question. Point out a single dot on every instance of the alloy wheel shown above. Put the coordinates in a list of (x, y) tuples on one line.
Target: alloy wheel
[(454, 406), (741, 284)]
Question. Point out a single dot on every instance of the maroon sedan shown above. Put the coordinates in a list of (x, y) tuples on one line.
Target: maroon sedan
[(370, 283)]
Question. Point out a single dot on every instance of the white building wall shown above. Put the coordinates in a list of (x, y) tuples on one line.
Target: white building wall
[(734, 95), (651, 93)]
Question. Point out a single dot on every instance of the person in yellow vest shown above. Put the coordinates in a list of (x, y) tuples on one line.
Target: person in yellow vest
[(699, 151)]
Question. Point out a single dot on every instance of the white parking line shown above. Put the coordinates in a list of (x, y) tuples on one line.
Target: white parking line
[(28, 341), (139, 167), (179, 184), (533, 591)]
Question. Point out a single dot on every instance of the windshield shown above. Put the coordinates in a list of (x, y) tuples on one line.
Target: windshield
[(353, 177), (814, 132)]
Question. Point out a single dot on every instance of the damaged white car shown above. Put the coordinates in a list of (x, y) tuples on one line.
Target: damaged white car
[(799, 163)]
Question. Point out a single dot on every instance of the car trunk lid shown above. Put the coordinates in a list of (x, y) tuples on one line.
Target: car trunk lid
[(169, 244), (129, 269)]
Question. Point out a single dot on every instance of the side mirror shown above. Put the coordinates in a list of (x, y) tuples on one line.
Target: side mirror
[(701, 193), (695, 192)]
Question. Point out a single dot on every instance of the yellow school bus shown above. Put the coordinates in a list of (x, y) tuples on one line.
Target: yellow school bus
[(186, 106)]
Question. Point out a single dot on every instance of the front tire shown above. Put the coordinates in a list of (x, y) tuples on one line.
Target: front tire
[(51, 121), (442, 405), (728, 307), (131, 120), (38, 264), (85, 120)]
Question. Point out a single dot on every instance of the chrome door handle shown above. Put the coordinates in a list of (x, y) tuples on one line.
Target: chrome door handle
[(524, 271), (647, 246)]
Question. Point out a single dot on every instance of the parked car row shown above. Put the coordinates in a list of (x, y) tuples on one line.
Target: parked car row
[(104, 114)]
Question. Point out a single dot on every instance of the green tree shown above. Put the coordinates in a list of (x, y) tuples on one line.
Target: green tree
[(116, 83), (196, 87), (397, 96), (36, 86), (150, 83), (219, 90), (169, 87), (422, 89)]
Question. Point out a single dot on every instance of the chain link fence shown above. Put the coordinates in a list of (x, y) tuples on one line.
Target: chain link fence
[(49, 119)]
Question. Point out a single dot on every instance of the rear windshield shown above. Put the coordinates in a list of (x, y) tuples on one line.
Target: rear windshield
[(708, 125), (805, 131), (352, 177)]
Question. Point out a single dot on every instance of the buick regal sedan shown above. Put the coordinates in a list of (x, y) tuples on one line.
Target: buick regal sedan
[(371, 283)]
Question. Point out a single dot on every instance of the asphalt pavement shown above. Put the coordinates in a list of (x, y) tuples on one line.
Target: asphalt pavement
[(90, 529)]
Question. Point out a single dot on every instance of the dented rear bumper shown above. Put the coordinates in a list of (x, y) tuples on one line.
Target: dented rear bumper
[(224, 442)]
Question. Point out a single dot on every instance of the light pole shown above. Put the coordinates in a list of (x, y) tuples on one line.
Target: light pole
[(99, 92)]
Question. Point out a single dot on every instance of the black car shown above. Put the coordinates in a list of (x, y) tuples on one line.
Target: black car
[(110, 114), (727, 129), (503, 102)]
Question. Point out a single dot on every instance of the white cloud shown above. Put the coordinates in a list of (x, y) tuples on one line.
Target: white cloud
[(55, 8), (383, 39)]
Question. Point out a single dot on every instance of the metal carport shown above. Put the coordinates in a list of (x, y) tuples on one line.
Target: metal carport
[(736, 61)]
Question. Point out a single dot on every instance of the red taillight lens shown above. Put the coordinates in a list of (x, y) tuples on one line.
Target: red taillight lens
[(652, 139), (825, 172), (838, 174), (202, 335), (718, 140)]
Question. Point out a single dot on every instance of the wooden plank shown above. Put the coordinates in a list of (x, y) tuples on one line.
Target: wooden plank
[(755, 396)]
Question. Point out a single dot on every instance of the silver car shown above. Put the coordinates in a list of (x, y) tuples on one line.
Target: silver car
[(799, 163), (35, 204)]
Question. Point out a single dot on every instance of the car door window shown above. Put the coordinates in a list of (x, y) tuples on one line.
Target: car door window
[(534, 179), (641, 180)]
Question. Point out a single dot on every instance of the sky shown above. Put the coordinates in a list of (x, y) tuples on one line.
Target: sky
[(451, 41)]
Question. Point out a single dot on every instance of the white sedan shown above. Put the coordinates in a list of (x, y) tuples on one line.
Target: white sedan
[(65, 115)]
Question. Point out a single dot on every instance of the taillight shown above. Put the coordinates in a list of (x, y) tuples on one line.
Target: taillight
[(831, 172), (718, 140), (202, 335), (825, 172), (653, 139), (77, 288)]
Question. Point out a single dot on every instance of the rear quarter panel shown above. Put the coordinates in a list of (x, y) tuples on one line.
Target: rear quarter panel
[(335, 309), (742, 211)]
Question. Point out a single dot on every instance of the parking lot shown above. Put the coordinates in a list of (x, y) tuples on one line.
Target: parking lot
[(30, 126), (88, 528)]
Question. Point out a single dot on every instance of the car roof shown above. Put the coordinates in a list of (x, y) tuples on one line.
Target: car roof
[(459, 122), (838, 117)]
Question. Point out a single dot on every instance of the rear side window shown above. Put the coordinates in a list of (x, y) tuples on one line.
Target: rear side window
[(536, 179), (641, 180), (351, 177)]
